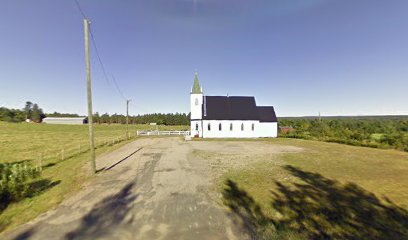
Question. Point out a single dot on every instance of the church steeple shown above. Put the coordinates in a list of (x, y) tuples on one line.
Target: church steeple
[(196, 87)]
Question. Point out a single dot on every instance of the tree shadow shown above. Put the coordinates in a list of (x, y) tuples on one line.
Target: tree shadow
[(25, 235), (41, 185), (245, 211), (106, 216), (319, 208)]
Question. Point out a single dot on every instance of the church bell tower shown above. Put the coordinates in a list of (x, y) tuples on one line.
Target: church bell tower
[(196, 107)]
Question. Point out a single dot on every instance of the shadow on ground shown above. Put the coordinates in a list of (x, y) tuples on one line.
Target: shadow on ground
[(106, 216), (317, 208)]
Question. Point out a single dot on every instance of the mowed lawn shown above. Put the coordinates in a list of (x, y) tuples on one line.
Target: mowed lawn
[(326, 191), (60, 177)]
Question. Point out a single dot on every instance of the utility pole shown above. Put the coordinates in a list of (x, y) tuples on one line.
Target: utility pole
[(88, 78), (127, 118)]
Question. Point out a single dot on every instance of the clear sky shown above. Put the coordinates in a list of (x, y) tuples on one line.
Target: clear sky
[(337, 57)]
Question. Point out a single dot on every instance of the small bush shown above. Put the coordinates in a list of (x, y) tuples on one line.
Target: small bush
[(15, 181)]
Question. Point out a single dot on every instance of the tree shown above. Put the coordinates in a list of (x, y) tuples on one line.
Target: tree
[(28, 109), (97, 118), (37, 114)]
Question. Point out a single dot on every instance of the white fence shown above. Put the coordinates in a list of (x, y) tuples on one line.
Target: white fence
[(157, 133)]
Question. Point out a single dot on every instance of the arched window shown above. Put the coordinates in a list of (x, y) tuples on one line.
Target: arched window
[(219, 127), (253, 126), (209, 127), (230, 126), (196, 126), (196, 101), (242, 126)]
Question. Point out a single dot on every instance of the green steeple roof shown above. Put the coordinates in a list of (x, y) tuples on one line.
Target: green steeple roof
[(196, 86)]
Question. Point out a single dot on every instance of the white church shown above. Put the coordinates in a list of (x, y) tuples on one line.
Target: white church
[(229, 116)]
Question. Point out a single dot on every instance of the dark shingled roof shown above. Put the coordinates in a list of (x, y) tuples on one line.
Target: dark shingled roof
[(267, 114), (235, 108)]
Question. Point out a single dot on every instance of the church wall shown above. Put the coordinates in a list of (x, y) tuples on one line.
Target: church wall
[(225, 130), (193, 130), (267, 129)]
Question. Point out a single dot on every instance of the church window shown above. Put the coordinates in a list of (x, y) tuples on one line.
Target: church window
[(196, 126), (253, 126), (196, 101), (219, 127), (230, 126), (242, 126), (209, 127)]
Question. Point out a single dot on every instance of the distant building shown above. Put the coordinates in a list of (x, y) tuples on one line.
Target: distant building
[(229, 116), (66, 120)]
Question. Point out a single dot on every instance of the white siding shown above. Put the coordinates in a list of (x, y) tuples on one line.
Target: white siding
[(196, 110), (62, 120), (267, 129), (260, 129), (194, 130)]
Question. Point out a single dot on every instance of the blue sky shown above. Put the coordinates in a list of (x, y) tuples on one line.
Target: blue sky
[(337, 57)]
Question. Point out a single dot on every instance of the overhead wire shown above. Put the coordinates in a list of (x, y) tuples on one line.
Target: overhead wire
[(80, 9), (107, 79), (98, 56), (117, 88)]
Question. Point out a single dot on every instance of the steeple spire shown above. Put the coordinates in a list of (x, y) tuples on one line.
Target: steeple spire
[(196, 86)]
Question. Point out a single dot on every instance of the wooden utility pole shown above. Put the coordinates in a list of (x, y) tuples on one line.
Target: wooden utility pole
[(88, 78), (127, 118)]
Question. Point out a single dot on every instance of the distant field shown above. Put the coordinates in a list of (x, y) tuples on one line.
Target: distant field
[(60, 177), (324, 191), (24, 141)]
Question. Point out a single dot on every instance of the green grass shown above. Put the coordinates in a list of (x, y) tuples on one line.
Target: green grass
[(327, 191), (23, 141), (60, 178)]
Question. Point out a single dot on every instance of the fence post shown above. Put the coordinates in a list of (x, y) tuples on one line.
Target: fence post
[(62, 154)]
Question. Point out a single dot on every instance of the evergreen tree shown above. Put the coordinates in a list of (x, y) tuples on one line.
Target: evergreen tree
[(28, 109), (37, 114)]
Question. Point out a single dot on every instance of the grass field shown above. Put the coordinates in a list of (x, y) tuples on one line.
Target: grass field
[(326, 191), (22, 141), (61, 177)]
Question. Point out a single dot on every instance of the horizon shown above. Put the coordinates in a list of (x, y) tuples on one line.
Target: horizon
[(338, 58)]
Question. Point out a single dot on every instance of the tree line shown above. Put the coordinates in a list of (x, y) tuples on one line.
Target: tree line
[(377, 132), (159, 118), (31, 111), (35, 114)]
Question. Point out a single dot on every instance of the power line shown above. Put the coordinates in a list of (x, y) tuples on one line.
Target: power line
[(117, 87), (80, 9), (98, 55)]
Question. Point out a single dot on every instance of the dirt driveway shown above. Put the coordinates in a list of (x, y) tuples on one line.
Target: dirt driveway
[(155, 188)]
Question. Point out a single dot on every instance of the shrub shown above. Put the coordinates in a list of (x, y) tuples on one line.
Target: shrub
[(15, 181)]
